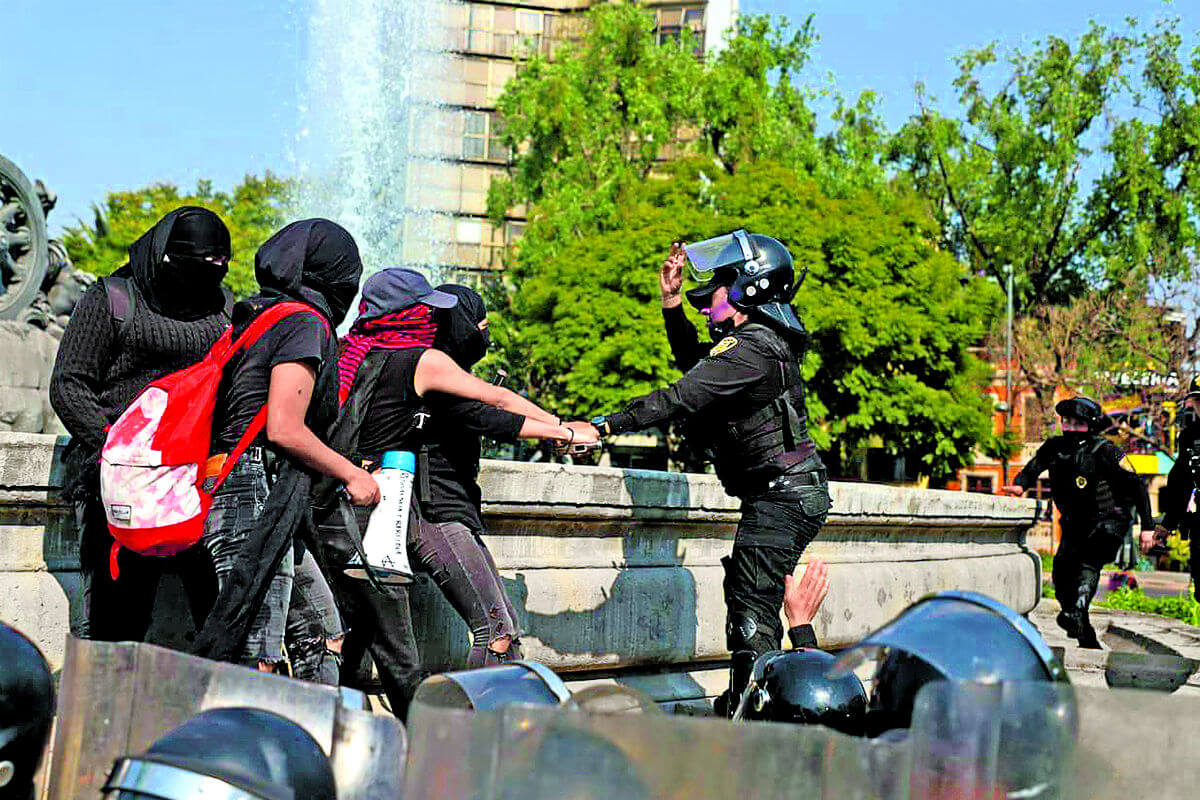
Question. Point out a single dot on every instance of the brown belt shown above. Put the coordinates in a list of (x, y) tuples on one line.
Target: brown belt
[(212, 467)]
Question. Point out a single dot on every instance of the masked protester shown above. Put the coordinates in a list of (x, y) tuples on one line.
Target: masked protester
[(402, 393), (159, 313), (741, 400), (1097, 491), (1182, 481), (26, 712), (256, 531)]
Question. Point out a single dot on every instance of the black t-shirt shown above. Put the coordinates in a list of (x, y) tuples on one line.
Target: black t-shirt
[(391, 419), (451, 430), (247, 378), (454, 450)]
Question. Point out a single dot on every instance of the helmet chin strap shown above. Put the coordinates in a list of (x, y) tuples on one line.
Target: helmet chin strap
[(722, 328)]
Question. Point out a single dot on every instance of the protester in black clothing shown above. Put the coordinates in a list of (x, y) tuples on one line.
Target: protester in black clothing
[(414, 397), (158, 313), (1178, 510), (742, 403), (1096, 491), (255, 526)]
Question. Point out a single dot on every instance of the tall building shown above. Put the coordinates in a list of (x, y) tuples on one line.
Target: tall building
[(488, 40)]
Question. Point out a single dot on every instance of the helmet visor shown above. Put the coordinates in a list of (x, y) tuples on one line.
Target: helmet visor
[(729, 250)]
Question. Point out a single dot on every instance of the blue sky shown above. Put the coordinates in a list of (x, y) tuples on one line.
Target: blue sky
[(120, 94)]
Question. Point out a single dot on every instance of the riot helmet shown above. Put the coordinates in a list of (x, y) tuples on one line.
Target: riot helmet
[(227, 752), (1084, 409), (925, 643), (1193, 388), (758, 271), (795, 686), (26, 711)]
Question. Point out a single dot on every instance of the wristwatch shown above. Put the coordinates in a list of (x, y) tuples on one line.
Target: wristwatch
[(600, 423)]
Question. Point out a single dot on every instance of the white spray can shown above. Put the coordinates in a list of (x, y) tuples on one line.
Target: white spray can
[(385, 543)]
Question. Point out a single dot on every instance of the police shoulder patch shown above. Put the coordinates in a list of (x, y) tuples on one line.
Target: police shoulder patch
[(724, 346)]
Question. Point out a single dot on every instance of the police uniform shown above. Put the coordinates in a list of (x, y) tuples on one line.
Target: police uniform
[(742, 403), (1182, 481), (1095, 489)]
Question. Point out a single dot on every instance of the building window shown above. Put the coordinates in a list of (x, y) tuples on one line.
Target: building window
[(481, 139), (980, 484)]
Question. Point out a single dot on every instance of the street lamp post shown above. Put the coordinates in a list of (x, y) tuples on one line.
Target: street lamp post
[(1008, 341)]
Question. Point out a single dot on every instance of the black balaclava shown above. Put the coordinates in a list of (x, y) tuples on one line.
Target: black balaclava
[(458, 333), (315, 261), (26, 711), (170, 265)]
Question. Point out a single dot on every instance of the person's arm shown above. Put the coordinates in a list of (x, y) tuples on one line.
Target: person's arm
[(1028, 475), (801, 601), (1128, 484), (288, 396), (437, 372), (681, 333), (84, 355), (481, 419), (715, 377)]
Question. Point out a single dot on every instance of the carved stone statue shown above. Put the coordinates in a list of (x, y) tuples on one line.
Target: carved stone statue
[(39, 288)]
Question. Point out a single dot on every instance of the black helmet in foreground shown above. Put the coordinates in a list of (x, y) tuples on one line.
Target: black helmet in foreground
[(228, 752), (26, 711), (795, 686), (1086, 410), (961, 636), (757, 270)]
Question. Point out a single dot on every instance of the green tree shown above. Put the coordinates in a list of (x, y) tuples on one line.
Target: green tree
[(891, 316), (1058, 172), (253, 211)]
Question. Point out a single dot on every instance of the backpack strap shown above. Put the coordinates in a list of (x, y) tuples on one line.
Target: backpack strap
[(261, 324), (120, 302)]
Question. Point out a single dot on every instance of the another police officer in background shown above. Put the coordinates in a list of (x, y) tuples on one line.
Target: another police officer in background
[(1183, 479), (1096, 490), (742, 404)]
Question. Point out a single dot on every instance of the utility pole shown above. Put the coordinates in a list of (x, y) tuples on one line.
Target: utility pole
[(1008, 387)]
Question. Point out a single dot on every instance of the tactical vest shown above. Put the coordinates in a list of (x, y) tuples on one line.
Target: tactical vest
[(768, 441), (1078, 480)]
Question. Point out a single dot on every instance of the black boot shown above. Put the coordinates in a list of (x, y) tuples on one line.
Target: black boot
[(740, 668)]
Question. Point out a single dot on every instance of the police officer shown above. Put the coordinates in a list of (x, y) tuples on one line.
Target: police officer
[(1096, 489), (742, 403), (1182, 480)]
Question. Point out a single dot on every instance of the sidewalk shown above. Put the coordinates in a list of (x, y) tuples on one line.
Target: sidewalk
[(1121, 632)]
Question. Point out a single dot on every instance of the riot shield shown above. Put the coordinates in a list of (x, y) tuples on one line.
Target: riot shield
[(116, 699)]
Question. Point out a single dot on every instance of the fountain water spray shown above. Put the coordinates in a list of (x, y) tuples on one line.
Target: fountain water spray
[(374, 137)]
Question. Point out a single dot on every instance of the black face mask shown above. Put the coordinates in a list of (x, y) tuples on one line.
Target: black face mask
[(1075, 437), (458, 333), (721, 329)]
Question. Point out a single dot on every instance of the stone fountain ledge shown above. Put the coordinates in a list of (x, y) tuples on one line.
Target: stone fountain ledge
[(614, 573)]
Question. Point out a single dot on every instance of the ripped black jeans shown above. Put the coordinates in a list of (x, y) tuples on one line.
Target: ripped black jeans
[(459, 562)]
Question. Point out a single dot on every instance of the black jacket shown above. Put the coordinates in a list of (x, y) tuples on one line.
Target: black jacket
[(1091, 479), (1183, 478), (742, 401)]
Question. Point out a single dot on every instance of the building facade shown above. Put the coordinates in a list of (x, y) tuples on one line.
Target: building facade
[(488, 40)]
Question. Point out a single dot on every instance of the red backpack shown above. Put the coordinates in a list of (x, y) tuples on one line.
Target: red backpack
[(153, 459)]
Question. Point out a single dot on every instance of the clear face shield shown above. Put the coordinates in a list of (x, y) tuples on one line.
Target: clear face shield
[(709, 257)]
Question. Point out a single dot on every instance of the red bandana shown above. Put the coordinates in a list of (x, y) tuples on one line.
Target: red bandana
[(412, 327)]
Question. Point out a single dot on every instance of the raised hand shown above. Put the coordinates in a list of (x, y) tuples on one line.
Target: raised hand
[(802, 598), (670, 277)]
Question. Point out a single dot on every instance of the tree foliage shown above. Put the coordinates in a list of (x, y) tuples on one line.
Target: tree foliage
[(1074, 166), (609, 177), (253, 211)]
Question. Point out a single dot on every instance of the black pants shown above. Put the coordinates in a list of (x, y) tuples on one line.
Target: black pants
[(121, 610), (1084, 550), (1191, 525), (771, 536), (381, 624)]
